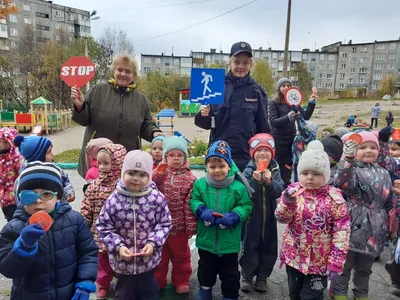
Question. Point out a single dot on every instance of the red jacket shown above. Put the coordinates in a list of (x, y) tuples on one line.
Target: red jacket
[(177, 185)]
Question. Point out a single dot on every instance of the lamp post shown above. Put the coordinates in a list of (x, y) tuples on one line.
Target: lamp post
[(91, 17), (286, 55)]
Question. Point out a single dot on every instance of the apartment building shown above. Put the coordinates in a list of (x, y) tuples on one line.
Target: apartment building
[(166, 64), (47, 19)]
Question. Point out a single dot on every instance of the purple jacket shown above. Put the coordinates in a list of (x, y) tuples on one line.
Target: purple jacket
[(133, 221)]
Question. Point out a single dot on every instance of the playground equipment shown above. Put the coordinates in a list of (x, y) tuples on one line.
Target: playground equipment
[(165, 118), (187, 108), (43, 117)]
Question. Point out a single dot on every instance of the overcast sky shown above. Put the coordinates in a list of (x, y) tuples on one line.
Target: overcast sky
[(262, 23)]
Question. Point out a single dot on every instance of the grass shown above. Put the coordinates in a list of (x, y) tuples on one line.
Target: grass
[(366, 117)]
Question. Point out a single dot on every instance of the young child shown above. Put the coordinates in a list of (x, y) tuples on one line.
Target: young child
[(260, 249), (341, 131), (316, 239), (39, 148), (156, 150), (306, 132), (10, 163), (91, 154), (369, 190), (222, 204), (133, 225), (333, 146), (60, 264), (389, 119), (176, 183), (110, 158)]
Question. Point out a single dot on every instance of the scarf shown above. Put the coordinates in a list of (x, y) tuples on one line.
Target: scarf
[(125, 192), (219, 184), (120, 88)]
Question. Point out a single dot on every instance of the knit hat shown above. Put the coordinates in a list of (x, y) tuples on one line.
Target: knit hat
[(220, 149), (138, 160), (32, 148), (41, 175), (262, 140), (369, 137), (333, 145), (157, 138), (341, 131), (312, 126), (175, 142), (316, 159), (282, 81)]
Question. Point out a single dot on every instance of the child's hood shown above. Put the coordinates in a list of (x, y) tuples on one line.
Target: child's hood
[(117, 153), (8, 134)]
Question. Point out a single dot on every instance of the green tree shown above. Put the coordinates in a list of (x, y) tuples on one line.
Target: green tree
[(262, 74), (304, 79), (388, 84)]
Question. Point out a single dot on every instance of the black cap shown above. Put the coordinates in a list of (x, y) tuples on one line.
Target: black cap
[(241, 47)]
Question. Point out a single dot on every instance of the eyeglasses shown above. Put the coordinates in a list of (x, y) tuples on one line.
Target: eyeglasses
[(28, 197), (175, 156)]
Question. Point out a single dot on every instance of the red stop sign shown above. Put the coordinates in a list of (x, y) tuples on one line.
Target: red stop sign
[(77, 71)]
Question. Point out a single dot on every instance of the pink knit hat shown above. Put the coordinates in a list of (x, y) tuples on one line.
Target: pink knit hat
[(138, 160), (369, 137)]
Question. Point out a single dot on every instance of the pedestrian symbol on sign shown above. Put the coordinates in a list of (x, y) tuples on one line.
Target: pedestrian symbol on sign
[(207, 78), (207, 86)]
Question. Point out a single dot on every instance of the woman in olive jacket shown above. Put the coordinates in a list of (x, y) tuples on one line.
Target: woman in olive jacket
[(114, 110)]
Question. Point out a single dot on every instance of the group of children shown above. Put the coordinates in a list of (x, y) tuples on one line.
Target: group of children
[(140, 210)]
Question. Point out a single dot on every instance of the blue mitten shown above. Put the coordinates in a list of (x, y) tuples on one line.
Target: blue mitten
[(205, 214), (30, 235), (229, 220), (83, 290)]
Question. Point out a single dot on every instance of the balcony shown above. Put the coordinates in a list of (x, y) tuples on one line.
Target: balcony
[(3, 31), (4, 48)]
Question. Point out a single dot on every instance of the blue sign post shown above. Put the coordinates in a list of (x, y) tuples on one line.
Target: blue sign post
[(207, 86)]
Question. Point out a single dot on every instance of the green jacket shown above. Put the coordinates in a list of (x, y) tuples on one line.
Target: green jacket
[(225, 200), (124, 118)]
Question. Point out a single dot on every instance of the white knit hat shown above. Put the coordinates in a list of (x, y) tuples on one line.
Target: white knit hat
[(316, 159)]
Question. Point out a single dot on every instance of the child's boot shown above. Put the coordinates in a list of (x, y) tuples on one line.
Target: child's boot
[(340, 298), (261, 285), (204, 294), (246, 285), (102, 293), (182, 289), (395, 290)]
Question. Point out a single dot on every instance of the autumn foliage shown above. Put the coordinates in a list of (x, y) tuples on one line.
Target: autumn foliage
[(7, 7)]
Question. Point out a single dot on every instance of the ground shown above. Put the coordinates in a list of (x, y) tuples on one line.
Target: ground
[(325, 114)]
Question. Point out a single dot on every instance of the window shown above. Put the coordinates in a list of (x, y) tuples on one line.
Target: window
[(350, 80), (380, 57), (305, 55), (344, 55), (71, 17), (42, 15), (321, 66), (343, 66), (381, 46), (379, 66), (363, 70), (57, 37), (329, 76), (331, 57), (208, 57), (322, 56), (362, 80), (354, 50), (352, 70), (320, 75), (329, 85), (14, 44), (256, 54), (342, 86), (166, 64), (27, 20), (392, 45), (331, 66), (274, 65), (42, 27), (364, 49), (319, 85), (146, 69), (13, 31), (392, 56), (59, 14), (313, 59), (71, 28), (3, 28), (12, 18), (175, 71), (374, 86), (312, 69), (197, 55), (390, 66), (176, 61), (157, 60), (342, 75), (378, 76), (282, 55), (58, 25), (147, 60), (363, 59), (274, 55), (26, 7)]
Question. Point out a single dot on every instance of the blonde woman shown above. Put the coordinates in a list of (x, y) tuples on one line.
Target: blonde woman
[(114, 110)]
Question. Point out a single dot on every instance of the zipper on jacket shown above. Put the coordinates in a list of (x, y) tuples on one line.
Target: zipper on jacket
[(264, 219), (121, 115), (216, 227), (134, 207)]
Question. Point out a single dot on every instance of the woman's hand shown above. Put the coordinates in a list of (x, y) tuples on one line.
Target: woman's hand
[(77, 98), (205, 110), (158, 133)]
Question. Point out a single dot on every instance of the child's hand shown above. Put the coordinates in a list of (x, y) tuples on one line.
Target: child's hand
[(267, 177), (125, 253), (257, 176), (349, 149), (287, 195), (396, 187), (162, 168), (70, 198), (148, 250)]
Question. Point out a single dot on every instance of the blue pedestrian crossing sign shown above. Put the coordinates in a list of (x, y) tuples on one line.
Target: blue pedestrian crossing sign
[(207, 86)]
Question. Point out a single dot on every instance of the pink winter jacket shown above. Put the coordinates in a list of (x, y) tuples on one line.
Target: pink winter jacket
[(317, 234)]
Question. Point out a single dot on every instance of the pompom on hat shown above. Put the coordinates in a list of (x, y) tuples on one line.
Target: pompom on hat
[(32, 148)]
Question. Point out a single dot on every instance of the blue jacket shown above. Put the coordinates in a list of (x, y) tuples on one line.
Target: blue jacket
[(66, 255), (243, 115)]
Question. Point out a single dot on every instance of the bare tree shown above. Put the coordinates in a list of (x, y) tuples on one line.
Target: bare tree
[(116, 40)]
